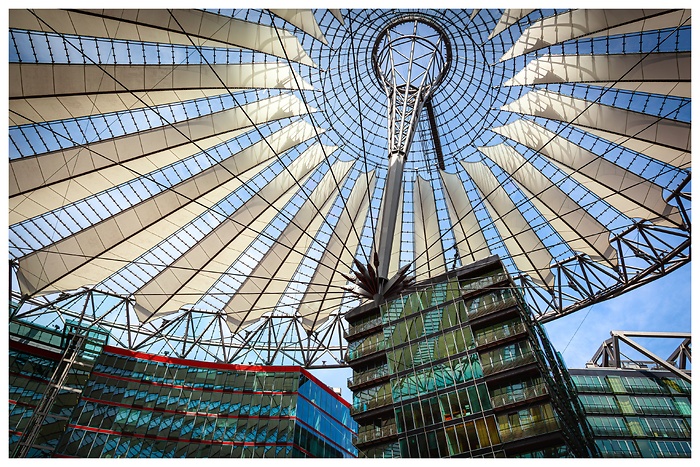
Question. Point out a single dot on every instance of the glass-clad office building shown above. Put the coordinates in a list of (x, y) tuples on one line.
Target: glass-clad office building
[(456, 368), (120, 403), (636, 412)]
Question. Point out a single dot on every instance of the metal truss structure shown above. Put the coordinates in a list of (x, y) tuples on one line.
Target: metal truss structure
[(410, 58), (610, 355), (204, 183)]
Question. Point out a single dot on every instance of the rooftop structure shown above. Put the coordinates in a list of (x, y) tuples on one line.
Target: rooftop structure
[(223, 184), (638, 407)]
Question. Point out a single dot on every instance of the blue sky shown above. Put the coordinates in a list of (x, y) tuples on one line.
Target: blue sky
[(664, 305)]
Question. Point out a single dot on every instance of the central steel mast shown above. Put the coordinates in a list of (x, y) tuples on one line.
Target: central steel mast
[(410, 58)]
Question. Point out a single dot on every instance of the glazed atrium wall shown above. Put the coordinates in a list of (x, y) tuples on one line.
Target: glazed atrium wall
[(457, 368), (112, 402), (636, 412)]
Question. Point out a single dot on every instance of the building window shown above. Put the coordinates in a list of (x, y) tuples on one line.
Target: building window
[(594, 403), (608, 426), (617, 448)]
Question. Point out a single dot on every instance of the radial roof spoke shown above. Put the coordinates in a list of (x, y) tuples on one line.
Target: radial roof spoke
[(213, 178)]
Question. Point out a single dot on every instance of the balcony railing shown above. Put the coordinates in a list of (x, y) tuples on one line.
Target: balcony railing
[(610, 431), (371, 404), (499, 334), (655, 410), (525, 394), (598, 409), (482, 283), (366, 349), (496, 366), (376, 434), (670, 433), (529, 430), (367, 376), (357, 329), (595, 388), (486, 308), (620, 453)]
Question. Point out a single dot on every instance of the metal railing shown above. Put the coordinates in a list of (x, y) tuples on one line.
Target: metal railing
[(499, 334), (620, 453), (497, 366), (371, 404), (482, 283), (610, 431), (367, 349), (525, 394), (525, 431), (357, 329), (367, 376), (376, 434), (486, 308)]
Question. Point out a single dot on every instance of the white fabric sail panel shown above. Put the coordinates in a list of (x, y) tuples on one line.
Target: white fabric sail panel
[(193, 273), (471, 243), (46, 92), (676, 157), (670, 19), (56, 195), (30, 80), (120, 252), (510, 17), (337, 15), (324, 293), (181, 27), (195, 286), (30, 173), (660, 138), (303, 19), (657, 73), (428, 254), (267, 283), (574, 24), (679, 89), (91, 255), (527, 250), (626, 191), (47, 109), (576, 227)]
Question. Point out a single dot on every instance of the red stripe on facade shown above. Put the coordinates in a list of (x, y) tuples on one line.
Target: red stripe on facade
[(178, 412), (197, 363), (318, 433), (22, 404), (325, 387), (192, 388), (34, 350), (321, 410), (206, 414), (223, 366), (182, 440), (189, 388)]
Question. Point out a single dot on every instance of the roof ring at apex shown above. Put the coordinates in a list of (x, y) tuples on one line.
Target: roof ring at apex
[(414, 51)]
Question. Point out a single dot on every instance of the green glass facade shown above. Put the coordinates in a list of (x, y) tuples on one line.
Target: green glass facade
[(135, 405), (636, 413), (455, 369)]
